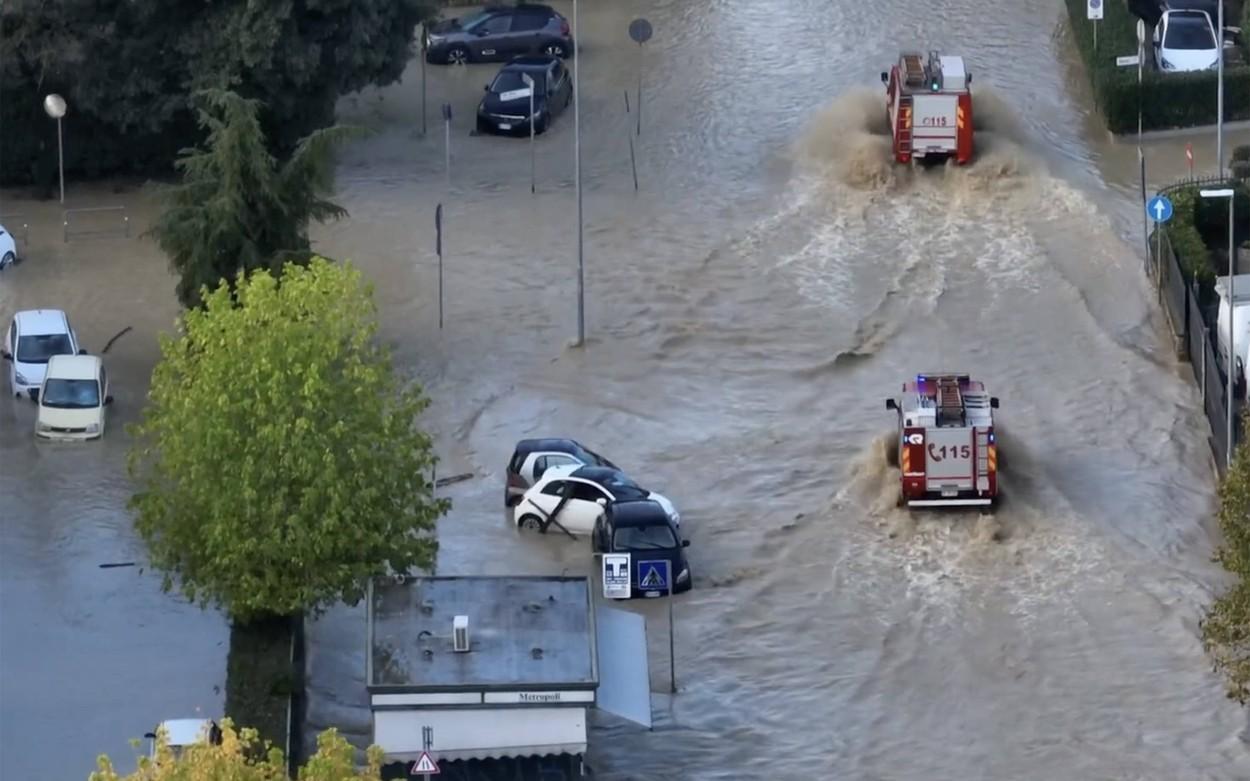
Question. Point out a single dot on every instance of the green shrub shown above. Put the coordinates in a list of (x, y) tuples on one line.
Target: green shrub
[(1166, 100), (1242, 153), (1194, 218)]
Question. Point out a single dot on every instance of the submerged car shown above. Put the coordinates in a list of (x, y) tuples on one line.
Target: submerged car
[(1185, 41), (179, 734), (575, 496), (643, 529), (497, 33), (34, 336), (72, 399), (532, 457), (8, 249), (506, 106)]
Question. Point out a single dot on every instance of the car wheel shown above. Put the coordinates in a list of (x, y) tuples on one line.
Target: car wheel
[(457, 55), (556, 49), (532, 523), (8, 260), (540, 127)]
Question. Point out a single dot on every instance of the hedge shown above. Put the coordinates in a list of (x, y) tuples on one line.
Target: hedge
[(1194, 218), (1167, 100), (259, 677)]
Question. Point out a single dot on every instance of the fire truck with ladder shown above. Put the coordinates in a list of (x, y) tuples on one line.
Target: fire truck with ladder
[(946, 449), (929, 106)]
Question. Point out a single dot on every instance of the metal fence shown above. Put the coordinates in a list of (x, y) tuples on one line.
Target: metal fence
[(95, 221), (1191, 327)]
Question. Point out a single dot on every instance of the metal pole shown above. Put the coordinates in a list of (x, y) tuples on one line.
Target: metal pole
[(427, 743), (447, 145), (424, 39), (1219, 107), (577, 155), (640, 63), (60, 157), (672, 656), (532, 187), (1232, 360)]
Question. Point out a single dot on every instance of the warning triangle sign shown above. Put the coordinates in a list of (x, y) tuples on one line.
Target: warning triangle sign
[(424, 766), (652, 579)]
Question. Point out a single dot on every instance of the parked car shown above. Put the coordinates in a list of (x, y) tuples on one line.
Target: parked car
[(497, 33), (1185, 41), (642, 529), (574, 497), (8, 249), (532, 457), (72, 399), (34, 336), (506, 105), (182, 733)]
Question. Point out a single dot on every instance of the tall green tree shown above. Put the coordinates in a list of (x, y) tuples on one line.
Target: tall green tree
[(238, 208), (1226, 627), (127, 68), (279, 460), (240, 756)]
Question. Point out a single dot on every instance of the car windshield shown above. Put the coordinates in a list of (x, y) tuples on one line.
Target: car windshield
[(655, 537), (508, 81), (472, 20), (38, 348), (70, 394), (1189, 32), (624, 489)]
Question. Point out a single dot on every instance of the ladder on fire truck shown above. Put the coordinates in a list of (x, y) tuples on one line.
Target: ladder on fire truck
[(950, 403)]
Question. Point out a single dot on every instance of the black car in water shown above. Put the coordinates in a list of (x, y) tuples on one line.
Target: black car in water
[(506, 106), (497, 33), (641, 528)]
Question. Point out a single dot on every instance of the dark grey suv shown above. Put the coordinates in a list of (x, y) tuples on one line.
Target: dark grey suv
[(498, 34)]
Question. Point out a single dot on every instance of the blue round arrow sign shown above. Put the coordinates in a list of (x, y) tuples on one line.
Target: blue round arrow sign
[(1159, 208)]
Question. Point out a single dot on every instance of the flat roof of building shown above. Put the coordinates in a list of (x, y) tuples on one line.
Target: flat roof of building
[(523, 631)]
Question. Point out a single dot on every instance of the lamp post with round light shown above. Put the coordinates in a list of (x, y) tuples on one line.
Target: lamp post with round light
[(55, 106), (1230, 364)]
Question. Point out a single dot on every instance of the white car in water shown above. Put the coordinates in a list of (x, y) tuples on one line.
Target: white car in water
[(1185, 41), (8, 249), (34, 336), (574, 497), (72, 399)]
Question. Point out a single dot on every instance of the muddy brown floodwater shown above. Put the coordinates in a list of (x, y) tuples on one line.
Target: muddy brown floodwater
[(748, 311)]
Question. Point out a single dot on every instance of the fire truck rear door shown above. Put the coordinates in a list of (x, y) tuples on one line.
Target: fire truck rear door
[(949, 464), (933, 122)]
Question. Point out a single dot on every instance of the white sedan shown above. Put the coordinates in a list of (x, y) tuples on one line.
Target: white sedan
[(8, 249), (574, 497), (1185, 41)]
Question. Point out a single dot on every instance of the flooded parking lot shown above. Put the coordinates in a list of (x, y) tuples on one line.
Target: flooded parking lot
[(747, 311)]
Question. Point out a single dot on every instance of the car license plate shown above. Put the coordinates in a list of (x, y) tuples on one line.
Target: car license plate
[(505, 126), (950, 492), (651, 594)]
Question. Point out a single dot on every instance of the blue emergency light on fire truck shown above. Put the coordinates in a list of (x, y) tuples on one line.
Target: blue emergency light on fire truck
[(946, 449), (929, 105)]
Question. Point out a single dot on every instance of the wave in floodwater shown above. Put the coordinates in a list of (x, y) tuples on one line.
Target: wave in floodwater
[(849, 142)]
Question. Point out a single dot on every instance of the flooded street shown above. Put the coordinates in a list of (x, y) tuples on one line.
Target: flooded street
[(747, 312)]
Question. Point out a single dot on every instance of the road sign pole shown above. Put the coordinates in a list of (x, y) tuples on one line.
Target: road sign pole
[(529, 83), (424, 49), (438, 248), (427, 743), (640, 64), (447, 141), (672, 655), (1219, 103), (577, 175)]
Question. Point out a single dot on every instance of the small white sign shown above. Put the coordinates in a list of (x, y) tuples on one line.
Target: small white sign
[(515, 94), (1132, 59), (616, 576), (1141, 33), (539, 698), (1093, 9)]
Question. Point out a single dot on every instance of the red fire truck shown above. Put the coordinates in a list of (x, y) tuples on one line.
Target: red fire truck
[(930, 108), (946, 448)]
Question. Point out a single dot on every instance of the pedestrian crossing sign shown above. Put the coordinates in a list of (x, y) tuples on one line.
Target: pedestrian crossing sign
[(653, 575)]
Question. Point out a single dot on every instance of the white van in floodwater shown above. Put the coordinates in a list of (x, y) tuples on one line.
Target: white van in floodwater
[(72, 398), (181, 733), (1241, 324)]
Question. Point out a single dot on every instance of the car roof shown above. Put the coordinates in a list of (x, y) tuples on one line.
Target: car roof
[(598, 474), (38, 322), (638, 512), (556, 445), (185, 732), (73, 367), (531, 62)]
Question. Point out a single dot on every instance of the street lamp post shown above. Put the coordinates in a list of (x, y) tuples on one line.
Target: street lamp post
[(55, 106), (577, 167), (1219, 94), (1230, 362)]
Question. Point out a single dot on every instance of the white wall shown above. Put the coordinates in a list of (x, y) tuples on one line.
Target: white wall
[(483, 732)]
